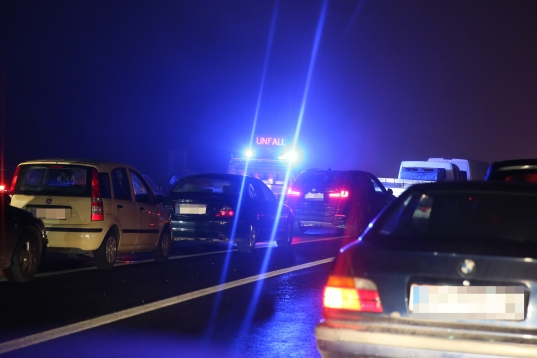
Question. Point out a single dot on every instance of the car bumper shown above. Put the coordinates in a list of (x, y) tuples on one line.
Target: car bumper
[(391, 339), (74, 238), (218, 231)]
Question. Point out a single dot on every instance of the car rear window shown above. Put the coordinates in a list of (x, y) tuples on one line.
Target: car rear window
[(467, 216), (57, 180), (524, 176), (208, 185), (321, 180)]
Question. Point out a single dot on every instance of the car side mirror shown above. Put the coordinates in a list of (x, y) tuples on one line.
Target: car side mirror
[(390, 191)]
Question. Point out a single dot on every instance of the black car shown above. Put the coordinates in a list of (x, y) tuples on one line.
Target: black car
[(22, 242), (516, 170), (206, 207), (336, 199), (446, 270)]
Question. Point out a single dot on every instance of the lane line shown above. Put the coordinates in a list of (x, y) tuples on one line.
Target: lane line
[(113, 317), (260, 245)]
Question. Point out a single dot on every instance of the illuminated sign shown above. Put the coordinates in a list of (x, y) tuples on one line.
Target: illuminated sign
[(269, 141)]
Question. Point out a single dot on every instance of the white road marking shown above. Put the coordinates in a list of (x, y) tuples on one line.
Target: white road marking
[(113, 317), (262, 244)]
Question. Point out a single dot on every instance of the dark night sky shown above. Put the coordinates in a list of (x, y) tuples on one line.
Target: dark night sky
[(402, 80)]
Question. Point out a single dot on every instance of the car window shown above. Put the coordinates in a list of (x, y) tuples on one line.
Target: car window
[(142, 193), (59, 180), (321, 180), (376, 185), (208, 184), (464, 216), (525, 176), (267, 193), (120, 184), (104, 185)]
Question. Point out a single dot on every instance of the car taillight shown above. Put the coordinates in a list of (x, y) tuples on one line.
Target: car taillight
[(97, 211), (351, 293), (14, 181), (225, 212), (291, 192), (341, 194)]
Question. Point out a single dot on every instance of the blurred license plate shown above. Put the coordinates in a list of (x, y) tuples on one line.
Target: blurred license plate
[(467, 302), (51, 213), (314, 196), (190, 209)]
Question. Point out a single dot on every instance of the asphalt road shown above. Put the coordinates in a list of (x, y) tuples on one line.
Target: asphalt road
[(207, 300)]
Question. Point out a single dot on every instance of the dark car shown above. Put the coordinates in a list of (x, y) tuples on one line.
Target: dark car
[(446, 270), (336, 199), (516, 170), (206, 207), (22, 242)]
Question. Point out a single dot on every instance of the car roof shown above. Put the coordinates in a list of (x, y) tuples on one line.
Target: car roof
[(476, 186), (219, 176), (513, 164), (335, 171), (100, 165)]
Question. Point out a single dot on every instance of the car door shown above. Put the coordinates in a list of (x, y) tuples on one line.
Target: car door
[(148, 213), (267, 209), (380, 196), (125, 209)]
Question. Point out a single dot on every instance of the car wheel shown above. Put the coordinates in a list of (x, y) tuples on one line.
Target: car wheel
[(287, 239), (105, 255), (299, 229), (164, 247), (25, 259), (247, 245)]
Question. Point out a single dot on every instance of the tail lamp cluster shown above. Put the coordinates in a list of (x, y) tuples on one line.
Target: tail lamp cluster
[(351, 293), (97, 210), (225, 212)]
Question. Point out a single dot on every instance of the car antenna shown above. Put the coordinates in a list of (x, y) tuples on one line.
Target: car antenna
[(61, 148)]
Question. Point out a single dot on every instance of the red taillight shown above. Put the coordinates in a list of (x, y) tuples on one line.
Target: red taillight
[(291, 192), (225, 212), (341, 194), (14, 181), (2, 187), (97, 211), (354, 294)]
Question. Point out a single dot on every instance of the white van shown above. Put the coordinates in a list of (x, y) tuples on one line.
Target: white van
[(475, 169)]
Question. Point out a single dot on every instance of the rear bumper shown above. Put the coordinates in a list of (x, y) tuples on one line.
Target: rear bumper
[(75, 238), (217, 231), (392, 339)]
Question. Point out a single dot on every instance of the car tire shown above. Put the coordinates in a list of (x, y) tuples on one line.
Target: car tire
[(25, 258), (164, 247), (247, 245), (287, 240), (299, 229), (106, 254)]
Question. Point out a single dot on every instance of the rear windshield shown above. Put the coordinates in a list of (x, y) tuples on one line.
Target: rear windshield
[(433, 174), (463, 216), (525, 176), (208, 185), (321, 180), (57, 180)]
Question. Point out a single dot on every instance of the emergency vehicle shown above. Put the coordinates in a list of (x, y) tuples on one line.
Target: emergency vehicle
[(268, 159)]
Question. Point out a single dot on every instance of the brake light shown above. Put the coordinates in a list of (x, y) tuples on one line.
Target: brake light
[(351, 293), (341, 194), (97, 210), (291, 192), (14, 181), (2, 187), (225, 212)]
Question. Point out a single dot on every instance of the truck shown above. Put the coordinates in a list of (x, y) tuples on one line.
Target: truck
[(433, 170), (268, 158)]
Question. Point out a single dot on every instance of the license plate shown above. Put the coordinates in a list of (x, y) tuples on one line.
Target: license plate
[(52, 213), (190, 209), (467, 302), (314, 196)]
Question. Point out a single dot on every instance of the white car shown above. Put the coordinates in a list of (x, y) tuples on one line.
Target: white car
[(93, 208)]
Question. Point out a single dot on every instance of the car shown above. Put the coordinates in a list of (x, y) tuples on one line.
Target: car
[(157, 190), (446, 270), (516, 170), (93, 208), (228, 208), (340, 199), (23, 240)]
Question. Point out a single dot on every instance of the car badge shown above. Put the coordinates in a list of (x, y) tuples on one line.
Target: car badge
[(49, 200), (467, 267)]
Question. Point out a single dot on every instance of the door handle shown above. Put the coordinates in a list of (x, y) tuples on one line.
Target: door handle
[(120, 206)]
